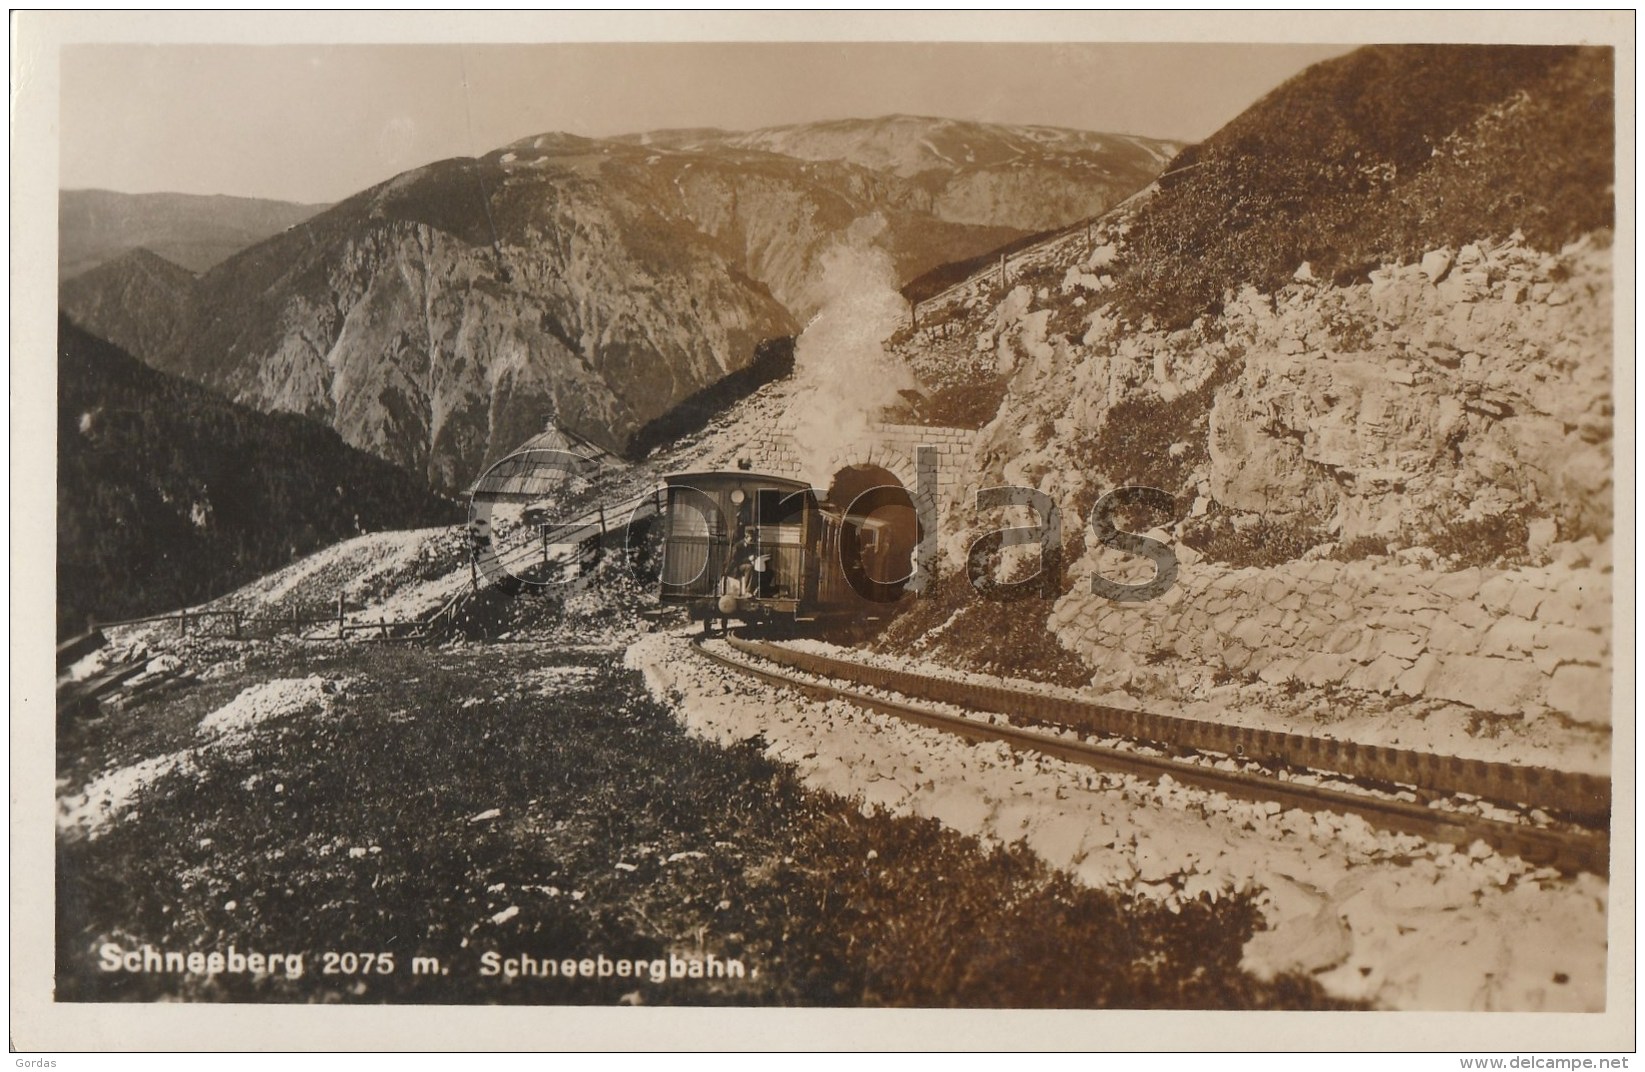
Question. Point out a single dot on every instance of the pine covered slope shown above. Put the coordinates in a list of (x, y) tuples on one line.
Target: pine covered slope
[(168, 494)]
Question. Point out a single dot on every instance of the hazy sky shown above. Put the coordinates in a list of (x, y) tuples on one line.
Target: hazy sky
[(317, 123)]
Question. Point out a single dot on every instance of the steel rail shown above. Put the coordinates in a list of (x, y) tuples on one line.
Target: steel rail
[(1583, 797), (1567, 850)]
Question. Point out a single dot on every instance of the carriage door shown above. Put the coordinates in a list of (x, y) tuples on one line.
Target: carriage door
[(696, 542), (781, 517)]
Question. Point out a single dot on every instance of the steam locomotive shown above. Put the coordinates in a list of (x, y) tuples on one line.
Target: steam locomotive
[(767, 549)]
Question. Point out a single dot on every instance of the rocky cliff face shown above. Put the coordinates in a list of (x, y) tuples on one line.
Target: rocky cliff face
[(441, 318), (1411, 461), (1447, 385), (1385, 413), (1470, 385)]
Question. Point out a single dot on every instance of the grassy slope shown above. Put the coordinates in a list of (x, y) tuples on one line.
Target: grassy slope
[(1375, 158), (276, 486), (832, 907)]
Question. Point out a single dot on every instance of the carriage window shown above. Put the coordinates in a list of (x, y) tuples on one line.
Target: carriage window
[(782, 514), (692, 513)]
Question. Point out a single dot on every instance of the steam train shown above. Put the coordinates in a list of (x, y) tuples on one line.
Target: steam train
[(767, 549)]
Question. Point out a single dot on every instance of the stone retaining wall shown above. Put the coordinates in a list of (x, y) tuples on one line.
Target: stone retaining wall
[(1520, 642)]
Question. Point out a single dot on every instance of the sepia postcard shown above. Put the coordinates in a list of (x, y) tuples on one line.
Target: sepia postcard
[(665, 531)]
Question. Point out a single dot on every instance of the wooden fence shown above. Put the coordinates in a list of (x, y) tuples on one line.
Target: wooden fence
[(207, 623)]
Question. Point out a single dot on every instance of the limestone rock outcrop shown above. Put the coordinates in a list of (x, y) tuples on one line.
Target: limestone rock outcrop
[(1394, 408)]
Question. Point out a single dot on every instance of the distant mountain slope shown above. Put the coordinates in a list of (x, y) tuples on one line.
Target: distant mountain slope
[(438, 319), (140, 282), (771, 214), (168, 495), (96, 226), (1450, 143), (1032, 178)]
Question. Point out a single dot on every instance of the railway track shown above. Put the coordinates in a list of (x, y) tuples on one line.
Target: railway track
[(1571, 846)]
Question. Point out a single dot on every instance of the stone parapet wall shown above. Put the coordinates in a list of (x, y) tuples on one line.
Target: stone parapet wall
[(1520, 642), (771, 449)]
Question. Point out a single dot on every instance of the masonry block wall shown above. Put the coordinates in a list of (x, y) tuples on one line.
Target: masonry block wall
[(1513, 642), (890, 446)]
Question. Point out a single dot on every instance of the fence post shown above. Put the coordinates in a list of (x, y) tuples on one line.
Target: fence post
[(236, 624), (1002, 270), (599, 544), (182, 621), (339, 616)]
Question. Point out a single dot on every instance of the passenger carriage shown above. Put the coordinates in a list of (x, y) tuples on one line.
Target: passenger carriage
[(762, 548)]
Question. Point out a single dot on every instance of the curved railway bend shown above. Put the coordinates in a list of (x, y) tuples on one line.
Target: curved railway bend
[(1410, 792), (1390, 889)]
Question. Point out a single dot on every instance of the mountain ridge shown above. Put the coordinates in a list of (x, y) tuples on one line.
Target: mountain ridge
[(951, 161), (195, 231), (440, 317)]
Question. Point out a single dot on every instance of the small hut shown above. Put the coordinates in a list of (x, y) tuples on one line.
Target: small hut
[(538, 468)]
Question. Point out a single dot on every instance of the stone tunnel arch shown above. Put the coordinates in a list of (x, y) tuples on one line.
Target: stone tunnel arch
[(891, 446), (880, 510)]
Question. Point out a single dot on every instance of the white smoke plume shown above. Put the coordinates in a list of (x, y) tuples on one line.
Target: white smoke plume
[(843, 375)]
